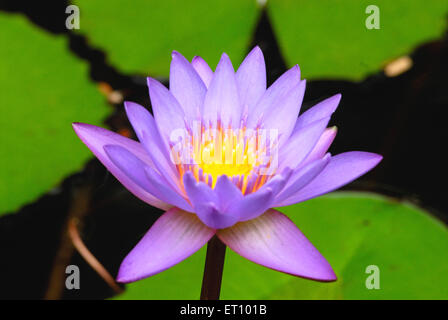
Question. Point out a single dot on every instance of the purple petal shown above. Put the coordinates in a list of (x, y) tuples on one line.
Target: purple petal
[(202, 68), (272, 240), (96, 138), (282, 117), (186, 85), (212, 217), (222, 98), (255, 204), (322, 146), (321, 110), (206, 204), (162, 191), (227, 192), (252, 205), (278, 91), (278, 182), (342, 169), (146, 130), (297, 148), (198, 192), (168, 114), (300, 178), (251, 78), (129, 164), (137, 170), (174, 237)]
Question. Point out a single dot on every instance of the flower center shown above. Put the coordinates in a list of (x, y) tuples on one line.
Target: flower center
[(237, 153)]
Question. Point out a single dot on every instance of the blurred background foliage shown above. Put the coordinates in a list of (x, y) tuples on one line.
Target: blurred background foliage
[(327, 36), (51, 76), (43, 89), (140, 37)]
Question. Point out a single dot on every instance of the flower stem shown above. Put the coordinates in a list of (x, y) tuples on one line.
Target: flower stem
[(214, 264)]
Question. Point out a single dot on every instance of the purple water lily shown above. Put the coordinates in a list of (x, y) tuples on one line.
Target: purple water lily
[(201, 159)]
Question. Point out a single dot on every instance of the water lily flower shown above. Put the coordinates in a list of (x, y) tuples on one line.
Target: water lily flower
[(220, 151)]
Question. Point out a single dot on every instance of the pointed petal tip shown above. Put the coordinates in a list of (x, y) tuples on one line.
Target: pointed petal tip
[(151, 82), (297, 68), (257, 51), (127, 274), (123, 278), (378, 157), (225, 55), (76, 125), (80, 128), (148, 81), (293, 74), (128, 105), (131, 107), (336, 98), (225, 60), (327, 275), (375, 158)]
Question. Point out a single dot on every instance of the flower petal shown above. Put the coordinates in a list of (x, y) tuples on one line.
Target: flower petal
[(321, 110), (186, 85), (255, 204), (283, 116), (137, 170), (206, 204), (300, 178), (279, 90), (322, 146), (227, 191), (252, 205), (168, 114), (174, 237), (297, 148), (212, 216), (146, 130), (202, 68), (342, 169), (163, 191), (278, 182), (222, 98), (251, 78), (272, 240), (198, 192), (96, 138)]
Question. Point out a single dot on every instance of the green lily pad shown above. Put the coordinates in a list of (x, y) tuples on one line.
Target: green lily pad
[(329, 38), (353, 231), (44, 88), (139, 36)]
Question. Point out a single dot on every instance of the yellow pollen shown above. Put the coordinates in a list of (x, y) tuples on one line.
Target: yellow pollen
[(223, 152)]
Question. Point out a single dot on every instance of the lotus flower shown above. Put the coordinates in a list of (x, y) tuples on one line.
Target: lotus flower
[(202, 158)]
